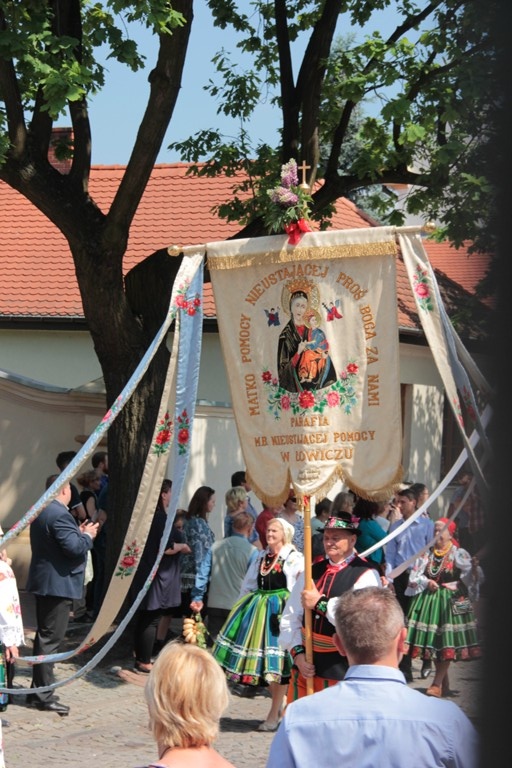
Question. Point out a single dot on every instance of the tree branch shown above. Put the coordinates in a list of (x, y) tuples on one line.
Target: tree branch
[(310, 80), (165, 84), (12, 99), (337, 186), (290, 105)]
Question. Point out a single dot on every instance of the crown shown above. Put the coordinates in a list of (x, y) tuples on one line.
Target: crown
[(300, 284), (308, 287)]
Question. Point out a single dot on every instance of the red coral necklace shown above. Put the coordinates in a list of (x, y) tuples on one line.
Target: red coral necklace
[(267, 565)]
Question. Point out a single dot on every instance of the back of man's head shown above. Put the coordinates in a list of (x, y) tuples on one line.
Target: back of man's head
[(323, 506), (49, 481), (64, 495), (98, 458), (242, 522), (367, 622), (238, 478), (64, 458)]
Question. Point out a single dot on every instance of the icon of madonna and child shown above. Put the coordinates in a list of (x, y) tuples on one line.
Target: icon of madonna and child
[(303, 358)]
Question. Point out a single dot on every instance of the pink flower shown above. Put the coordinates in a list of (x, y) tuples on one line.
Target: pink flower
[(128, 561), (283, 196), (333, 399), (352, 368), (285, 402), (181, 301), (422, 290), (289, 176)]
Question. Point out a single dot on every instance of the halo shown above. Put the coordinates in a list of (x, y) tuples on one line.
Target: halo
[(310, 313), (300, 284)]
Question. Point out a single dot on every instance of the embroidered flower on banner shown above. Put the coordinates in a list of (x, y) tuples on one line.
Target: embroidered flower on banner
[(458, 411), (341, 394), (190, 306), (422, 290), (163, 436), (468, 402), (183, 432), (129, 560), (115, 408)]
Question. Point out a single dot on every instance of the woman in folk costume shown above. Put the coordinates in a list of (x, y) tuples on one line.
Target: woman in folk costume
[(247, 645), (11, 632), (441, 623)]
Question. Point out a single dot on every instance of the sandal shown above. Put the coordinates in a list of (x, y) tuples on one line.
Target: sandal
[(266, 726), (434, 690), (144, 668)]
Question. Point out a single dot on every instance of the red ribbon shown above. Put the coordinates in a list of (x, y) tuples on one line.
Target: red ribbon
[(296, 229)]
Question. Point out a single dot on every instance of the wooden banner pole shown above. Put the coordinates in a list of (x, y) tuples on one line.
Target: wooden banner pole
[(308, 583)]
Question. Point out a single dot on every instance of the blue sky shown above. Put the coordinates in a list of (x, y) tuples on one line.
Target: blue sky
[(116, 112)]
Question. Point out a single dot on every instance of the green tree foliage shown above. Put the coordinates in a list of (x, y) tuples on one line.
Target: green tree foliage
[(415, 107), (431, 79), (48, 67)]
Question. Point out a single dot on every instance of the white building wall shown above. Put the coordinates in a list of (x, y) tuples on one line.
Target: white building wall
[(62, 358)]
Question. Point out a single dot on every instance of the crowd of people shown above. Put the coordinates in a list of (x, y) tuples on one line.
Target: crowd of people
[(355, 618)]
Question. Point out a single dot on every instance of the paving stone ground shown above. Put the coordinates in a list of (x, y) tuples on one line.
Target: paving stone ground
[(108, 722)]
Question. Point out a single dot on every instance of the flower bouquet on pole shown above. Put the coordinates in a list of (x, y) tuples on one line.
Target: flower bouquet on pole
[(289, 204)]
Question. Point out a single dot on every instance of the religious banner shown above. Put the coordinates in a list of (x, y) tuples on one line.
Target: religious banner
[(452, 360), (309, 334)]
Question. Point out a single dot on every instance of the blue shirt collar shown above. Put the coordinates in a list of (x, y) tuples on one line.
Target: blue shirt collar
[(374, 672)]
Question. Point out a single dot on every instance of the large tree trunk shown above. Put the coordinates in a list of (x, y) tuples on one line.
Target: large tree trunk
[(123, 326)]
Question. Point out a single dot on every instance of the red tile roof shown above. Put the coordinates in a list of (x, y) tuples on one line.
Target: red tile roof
[(37, 278)]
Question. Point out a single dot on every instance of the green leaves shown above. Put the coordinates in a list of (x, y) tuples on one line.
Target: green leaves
[(407, 96)]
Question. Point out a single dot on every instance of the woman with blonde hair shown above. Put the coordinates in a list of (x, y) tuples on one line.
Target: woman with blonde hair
[(186, 694), (237, 500)]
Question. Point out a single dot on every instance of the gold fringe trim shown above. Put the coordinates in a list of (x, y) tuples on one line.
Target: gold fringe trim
[(320, 493), (383, 494), (351, 250), (274, 501), (265, 498)]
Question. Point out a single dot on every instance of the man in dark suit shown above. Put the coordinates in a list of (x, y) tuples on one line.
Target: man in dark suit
[(56, 578)]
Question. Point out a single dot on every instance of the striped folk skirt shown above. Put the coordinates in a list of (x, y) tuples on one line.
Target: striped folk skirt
[(435, 632), (247, 645)]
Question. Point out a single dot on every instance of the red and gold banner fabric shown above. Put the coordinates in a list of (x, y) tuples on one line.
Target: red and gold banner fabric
[(310, 340)]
